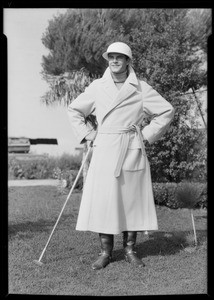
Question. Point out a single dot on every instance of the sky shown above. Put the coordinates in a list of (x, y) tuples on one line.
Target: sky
[(27, 116)]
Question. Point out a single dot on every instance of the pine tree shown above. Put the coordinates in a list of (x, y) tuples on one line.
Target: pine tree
[(169, 50)]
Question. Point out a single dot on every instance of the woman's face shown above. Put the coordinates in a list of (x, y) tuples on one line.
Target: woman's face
[(117, 62)]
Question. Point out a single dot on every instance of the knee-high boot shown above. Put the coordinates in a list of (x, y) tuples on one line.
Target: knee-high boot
[(107, 243), (129, 241)]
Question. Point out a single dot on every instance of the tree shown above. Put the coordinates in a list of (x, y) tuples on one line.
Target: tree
[(166, 58), (77, 38), (199, 25), (166, 55)]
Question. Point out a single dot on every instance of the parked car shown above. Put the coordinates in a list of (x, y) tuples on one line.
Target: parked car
[(18, 145)]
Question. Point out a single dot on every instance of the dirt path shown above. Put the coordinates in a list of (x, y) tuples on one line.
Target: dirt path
[(33, 182)]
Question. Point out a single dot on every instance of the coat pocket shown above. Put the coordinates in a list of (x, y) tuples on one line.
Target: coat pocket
[(135, 160)]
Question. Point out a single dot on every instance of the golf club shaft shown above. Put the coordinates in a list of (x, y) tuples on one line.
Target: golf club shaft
[(77, 177)]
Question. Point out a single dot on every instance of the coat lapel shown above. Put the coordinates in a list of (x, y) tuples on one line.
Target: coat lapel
[(108, 85), (118, 96)]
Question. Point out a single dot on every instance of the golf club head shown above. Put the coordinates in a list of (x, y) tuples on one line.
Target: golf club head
[(39, 263)]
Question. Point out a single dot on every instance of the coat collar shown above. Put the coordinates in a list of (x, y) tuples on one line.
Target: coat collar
[(118, 96), (132, 78)]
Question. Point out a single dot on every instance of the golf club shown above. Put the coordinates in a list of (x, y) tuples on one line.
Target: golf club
[(38, 262)]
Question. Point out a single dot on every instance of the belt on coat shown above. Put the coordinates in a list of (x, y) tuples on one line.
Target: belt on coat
[(124, 142)]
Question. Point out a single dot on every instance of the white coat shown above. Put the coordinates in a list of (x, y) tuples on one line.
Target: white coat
[(117, 194)]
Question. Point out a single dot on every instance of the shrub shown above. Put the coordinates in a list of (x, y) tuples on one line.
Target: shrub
[(41, 168), (68, 162), (69, 176), (166, 194), (188, 194), (171, 195), (14, 169), (202, 202), (179, 155), (160, 193), (37, 170), (29, 169), (67, 166)]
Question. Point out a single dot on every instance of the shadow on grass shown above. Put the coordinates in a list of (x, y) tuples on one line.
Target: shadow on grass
[(163, 243), (200, 217), (27, 229)]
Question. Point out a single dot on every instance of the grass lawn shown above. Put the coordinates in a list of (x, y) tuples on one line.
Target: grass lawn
[(172, 265)]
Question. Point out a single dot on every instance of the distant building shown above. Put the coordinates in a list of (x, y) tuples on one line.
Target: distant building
[(23, 144), (18, 145), (63, 145)]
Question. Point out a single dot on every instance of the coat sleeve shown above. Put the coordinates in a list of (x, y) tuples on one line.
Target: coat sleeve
[(160, 110), (78, 110)]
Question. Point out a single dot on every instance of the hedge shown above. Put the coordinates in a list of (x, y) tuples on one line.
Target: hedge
[(166, 194), (42, 168), (66, 168)]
